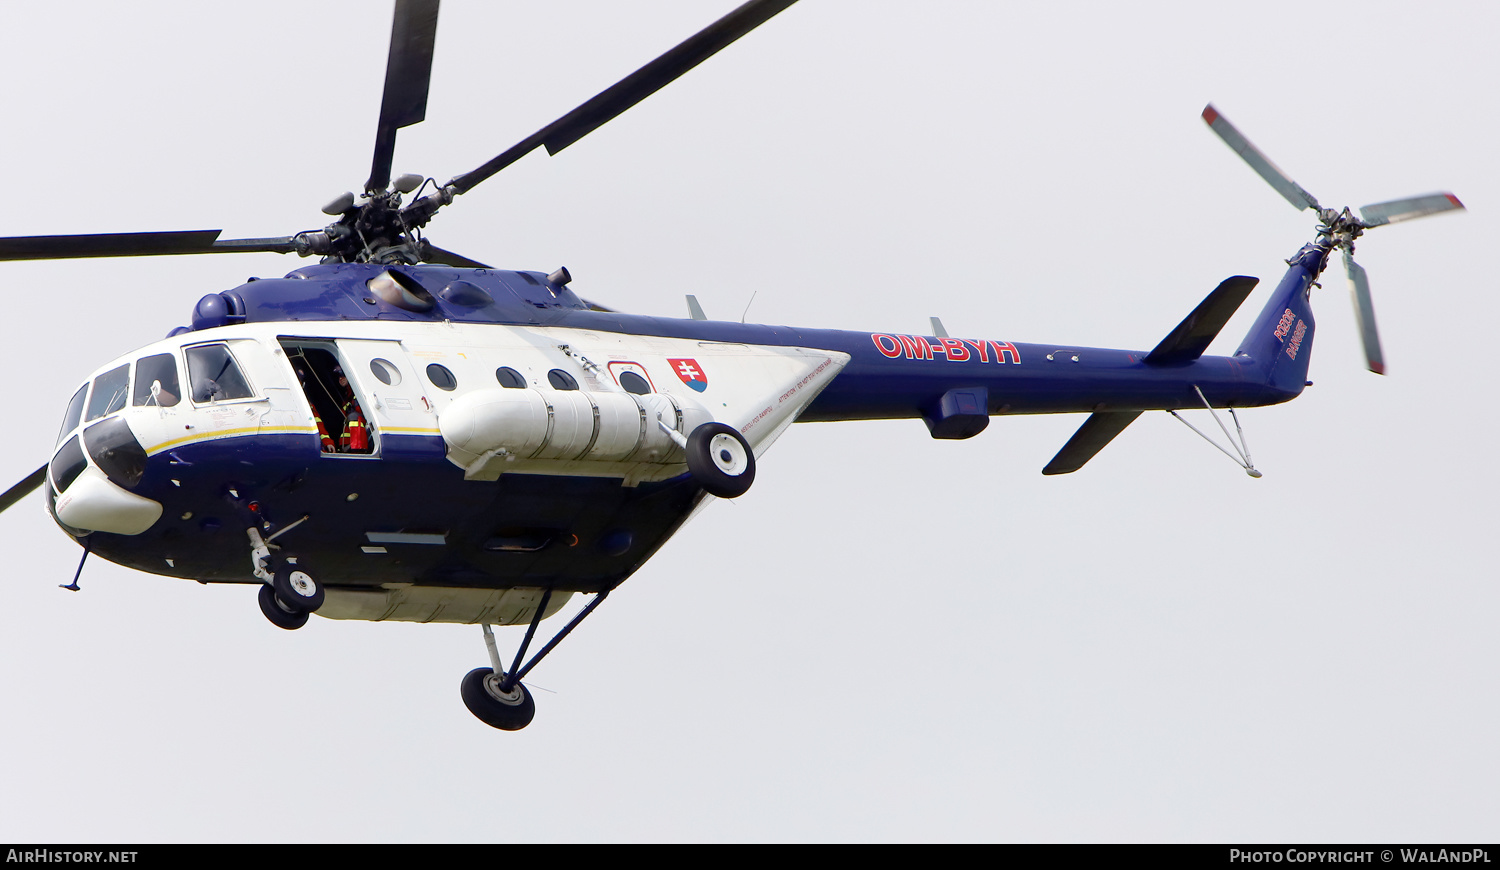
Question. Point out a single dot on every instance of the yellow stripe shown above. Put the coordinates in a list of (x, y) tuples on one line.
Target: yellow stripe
[(269, 430), (229, 433)]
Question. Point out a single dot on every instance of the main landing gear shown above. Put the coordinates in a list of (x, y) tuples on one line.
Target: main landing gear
[(720, 459), (495, 695)]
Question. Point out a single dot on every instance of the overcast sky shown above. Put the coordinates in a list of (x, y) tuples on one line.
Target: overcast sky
[(889, 637)]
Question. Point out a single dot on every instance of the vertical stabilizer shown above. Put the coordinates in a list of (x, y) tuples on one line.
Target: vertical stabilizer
[(1280, 342)]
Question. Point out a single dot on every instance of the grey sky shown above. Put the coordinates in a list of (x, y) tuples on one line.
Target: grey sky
[(889, 637)]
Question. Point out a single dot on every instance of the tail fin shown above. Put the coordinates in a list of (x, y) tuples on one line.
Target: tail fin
[(1280, 341)]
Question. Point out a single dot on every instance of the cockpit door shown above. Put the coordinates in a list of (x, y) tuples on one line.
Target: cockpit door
[(393, 395)]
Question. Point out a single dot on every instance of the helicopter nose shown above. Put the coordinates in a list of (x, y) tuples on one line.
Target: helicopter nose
[(94, 497), (92, 503)]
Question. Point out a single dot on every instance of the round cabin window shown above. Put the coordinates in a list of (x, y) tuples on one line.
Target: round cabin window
[(634, 383), (386, 372), (561, 380), (441, 377), (509, 378)]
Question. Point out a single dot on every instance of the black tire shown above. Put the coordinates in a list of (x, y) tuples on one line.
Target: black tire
[(721, 460), (494, 710), (280, 615), (297, 589)]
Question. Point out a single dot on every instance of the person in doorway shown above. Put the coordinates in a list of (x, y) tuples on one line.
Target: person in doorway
[(356, 435), (325, 442)]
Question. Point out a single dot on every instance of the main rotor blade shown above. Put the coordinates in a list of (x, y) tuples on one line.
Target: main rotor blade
[(1405, 209), (23, 489), (1364, 314), (433, 254), (610, 103), (134, 245), (1259, 162), (408, 72)]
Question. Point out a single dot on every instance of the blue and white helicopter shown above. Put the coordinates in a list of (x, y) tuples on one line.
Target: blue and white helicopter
[(402, 433)]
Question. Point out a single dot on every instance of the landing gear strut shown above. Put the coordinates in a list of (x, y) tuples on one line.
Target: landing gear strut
[(495, 695)]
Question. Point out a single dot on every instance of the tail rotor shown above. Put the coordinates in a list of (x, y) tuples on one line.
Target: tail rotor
[(1337, 229)]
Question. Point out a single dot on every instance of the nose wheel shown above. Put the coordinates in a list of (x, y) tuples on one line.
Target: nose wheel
[(291, 595), (297, 588), (280, 614)]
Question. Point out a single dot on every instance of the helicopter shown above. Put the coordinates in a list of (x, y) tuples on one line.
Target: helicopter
[(556, 444)]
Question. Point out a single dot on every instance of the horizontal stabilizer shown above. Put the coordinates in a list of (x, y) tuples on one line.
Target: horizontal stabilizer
[(1098, 430), (1197, 331)]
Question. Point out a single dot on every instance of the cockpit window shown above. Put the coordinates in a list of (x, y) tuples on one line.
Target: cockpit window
[(159, 369), (109, 392), (75, 411), (67, 465), (215, 375)]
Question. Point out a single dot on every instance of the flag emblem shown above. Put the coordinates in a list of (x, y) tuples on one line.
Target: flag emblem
[(690, 373)]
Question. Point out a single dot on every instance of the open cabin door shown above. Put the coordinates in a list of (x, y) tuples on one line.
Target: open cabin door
[(394, 397)]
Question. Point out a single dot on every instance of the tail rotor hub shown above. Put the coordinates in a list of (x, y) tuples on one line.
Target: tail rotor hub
[(1336, 229)]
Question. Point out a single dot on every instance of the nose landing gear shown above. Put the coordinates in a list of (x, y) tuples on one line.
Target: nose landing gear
[(290, 597), (297, 588), (280, 614), (290, 593)]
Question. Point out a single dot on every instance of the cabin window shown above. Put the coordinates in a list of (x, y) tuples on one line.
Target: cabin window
[(634, 383), (215, 375), (441, 377), (67, 465), (561, 380), (75, 411), (116, 452), (109, 392), (386, 371), (153, 370), (509, 378)]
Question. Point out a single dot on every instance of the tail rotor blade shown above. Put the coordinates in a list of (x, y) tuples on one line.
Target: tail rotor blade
[(1364, 314), (1273, 175), (1397, 210)]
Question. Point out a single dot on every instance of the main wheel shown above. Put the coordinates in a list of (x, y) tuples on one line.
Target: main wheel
[(280, 615), (508, 711), (720, 459), (297, 589)]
